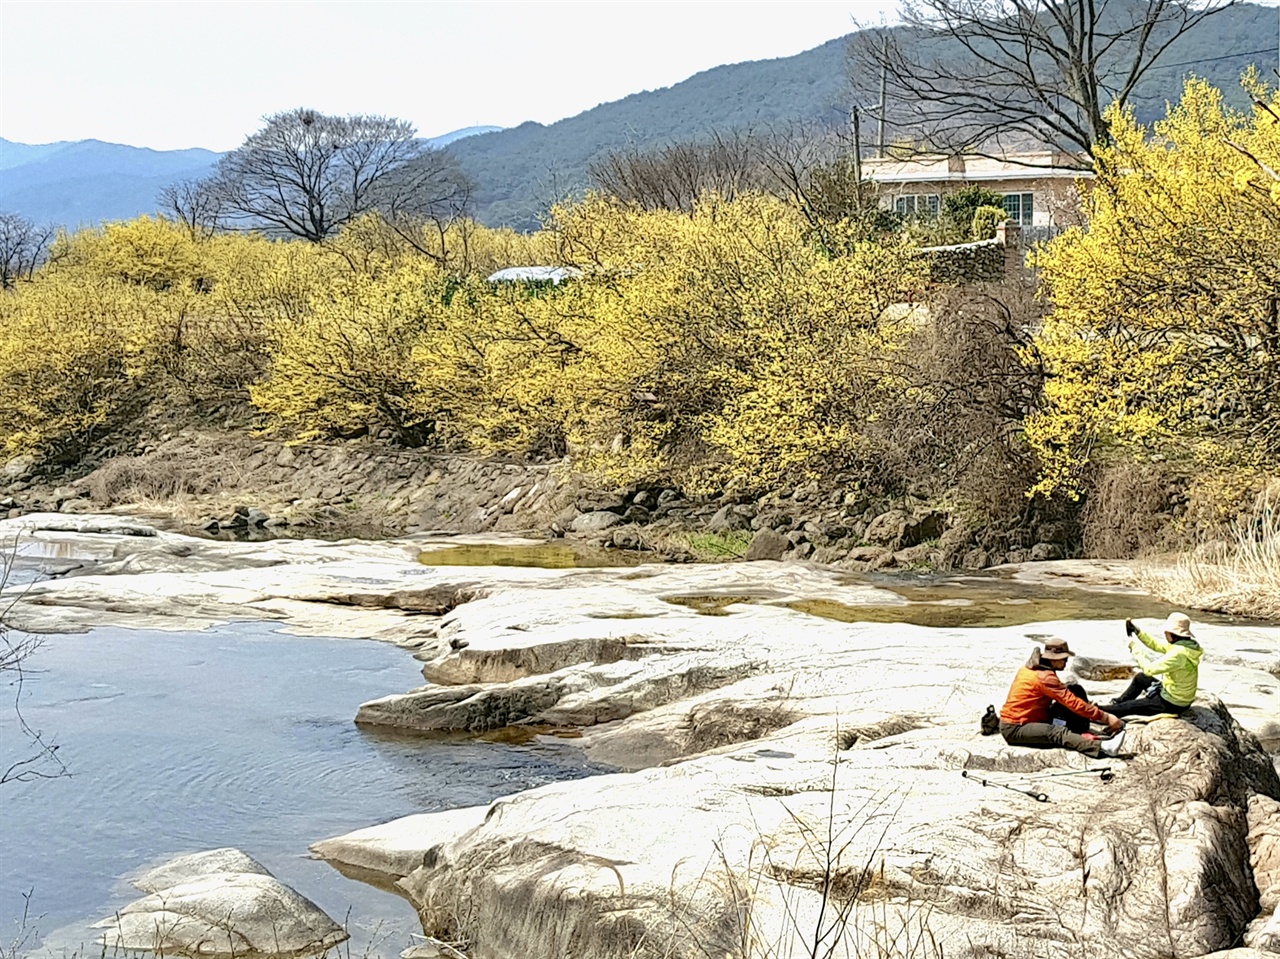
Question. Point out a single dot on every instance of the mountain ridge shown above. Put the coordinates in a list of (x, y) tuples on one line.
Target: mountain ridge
[(520, 171), (76, 183)]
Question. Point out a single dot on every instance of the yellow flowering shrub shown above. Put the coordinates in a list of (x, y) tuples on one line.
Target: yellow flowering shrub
[(1164, 333)]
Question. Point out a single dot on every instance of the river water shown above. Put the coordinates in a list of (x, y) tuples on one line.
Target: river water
[(239, 736)]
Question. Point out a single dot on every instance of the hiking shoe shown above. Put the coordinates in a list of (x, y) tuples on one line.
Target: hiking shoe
[(1111, 747)]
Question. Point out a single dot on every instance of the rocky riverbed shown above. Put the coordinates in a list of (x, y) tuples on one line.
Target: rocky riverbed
[(796, 737)]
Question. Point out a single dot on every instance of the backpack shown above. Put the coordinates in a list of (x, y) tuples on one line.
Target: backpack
[(990, 722)]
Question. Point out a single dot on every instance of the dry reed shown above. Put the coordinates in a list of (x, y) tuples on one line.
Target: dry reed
[(1240, 577)]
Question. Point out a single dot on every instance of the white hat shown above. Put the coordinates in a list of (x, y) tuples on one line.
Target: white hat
[(1179, 624)]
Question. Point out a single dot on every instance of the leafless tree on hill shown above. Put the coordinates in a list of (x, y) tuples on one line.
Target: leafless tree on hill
[(23, 246), (305, 174), (672, 177), (994, 76)]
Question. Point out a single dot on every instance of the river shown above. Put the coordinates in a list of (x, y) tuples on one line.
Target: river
[(239, 736)]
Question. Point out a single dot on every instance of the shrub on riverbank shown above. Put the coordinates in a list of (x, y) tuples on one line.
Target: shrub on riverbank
[(1164, 335), (736, 345)]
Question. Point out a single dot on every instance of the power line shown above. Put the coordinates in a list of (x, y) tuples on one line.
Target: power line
[(1159, 65)]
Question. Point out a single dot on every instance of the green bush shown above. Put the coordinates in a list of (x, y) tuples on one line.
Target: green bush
[(958, 208), (985, 221)]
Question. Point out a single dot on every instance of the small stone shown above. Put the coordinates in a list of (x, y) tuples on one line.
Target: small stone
[(628, 537), (731, 518), (19, 467), (1043, 552), (636, 514)]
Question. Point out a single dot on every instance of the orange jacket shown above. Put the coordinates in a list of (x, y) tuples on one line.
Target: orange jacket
[(1033, 691)]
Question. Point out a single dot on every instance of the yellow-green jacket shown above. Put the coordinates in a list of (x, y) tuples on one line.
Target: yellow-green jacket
[(1177, 666)]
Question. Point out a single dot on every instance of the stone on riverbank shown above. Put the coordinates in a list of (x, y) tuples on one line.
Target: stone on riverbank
[(220, 903)]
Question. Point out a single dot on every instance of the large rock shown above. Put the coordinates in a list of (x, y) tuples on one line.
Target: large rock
[(591, 868), (731, 518), (220, 903), (1264, 848), (766, 544), (898, 529), (18, 468), (730, 687), (595, 522)]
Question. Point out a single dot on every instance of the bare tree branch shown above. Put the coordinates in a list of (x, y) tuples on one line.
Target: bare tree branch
[(40, 759), (23, 247), (993, 77), (307, 175)]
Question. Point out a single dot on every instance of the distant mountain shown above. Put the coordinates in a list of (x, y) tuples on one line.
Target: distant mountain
[(520, 171), (445, 139), (83, 182)]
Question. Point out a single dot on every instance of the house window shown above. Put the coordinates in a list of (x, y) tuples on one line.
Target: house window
[(1018, 206), (921, 205)]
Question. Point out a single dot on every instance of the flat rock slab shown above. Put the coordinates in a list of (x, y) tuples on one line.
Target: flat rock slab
[(700, 853), (780, 753)]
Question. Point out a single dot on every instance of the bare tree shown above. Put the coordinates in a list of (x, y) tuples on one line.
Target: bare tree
[(819, 170), (994, 76), (196, 204), (672, 177), (423, 200), (23, 246), (306, 174)]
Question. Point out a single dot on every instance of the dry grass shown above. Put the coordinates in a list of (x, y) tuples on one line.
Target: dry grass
[(151, 477), (1240, 576)]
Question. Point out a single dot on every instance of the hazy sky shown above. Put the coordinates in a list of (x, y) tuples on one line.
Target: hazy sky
[(199, 73)]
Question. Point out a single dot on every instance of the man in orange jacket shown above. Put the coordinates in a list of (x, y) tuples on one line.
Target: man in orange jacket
[(1028, 713)]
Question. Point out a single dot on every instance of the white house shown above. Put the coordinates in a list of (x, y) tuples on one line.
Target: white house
[(1039, 189)]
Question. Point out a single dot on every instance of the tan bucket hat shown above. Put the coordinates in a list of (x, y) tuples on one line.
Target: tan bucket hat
[(1179, 624), (1056, 649)]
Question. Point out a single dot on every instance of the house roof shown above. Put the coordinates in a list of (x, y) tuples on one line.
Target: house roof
[(931, 168)]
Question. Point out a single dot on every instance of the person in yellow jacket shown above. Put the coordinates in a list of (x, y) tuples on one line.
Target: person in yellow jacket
[(1170, 670)]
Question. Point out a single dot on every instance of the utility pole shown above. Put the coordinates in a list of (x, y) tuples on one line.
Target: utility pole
[(884, 70), (857, 148)]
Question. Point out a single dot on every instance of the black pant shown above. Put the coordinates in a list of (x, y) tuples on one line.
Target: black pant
[(1075, 722), (1144, 697)]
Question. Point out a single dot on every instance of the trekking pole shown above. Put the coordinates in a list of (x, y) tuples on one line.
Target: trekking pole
[(1034, 794), (1105, 774)]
